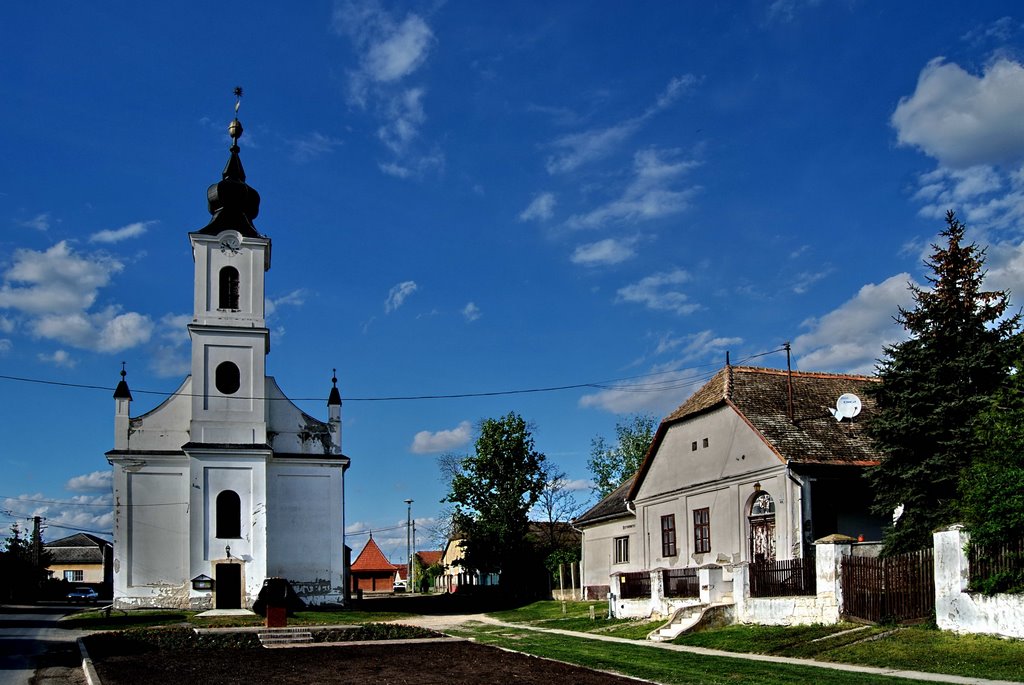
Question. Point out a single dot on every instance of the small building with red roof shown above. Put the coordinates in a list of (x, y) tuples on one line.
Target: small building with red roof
[(371, 571)]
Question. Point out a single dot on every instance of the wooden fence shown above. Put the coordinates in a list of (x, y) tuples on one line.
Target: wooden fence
[(681, 582), (999, 566), (782, 578), (899, 588), (635, 585)]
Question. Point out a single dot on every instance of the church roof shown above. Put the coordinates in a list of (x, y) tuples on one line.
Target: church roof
[(372, 559), (233, 204)]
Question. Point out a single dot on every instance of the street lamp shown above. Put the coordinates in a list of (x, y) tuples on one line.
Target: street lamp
[(408, 546)]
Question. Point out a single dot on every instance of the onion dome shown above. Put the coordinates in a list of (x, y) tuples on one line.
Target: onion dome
[(233, 204), (121, 392), (334, 399)]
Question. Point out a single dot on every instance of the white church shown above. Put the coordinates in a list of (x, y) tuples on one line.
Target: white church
[(227, 482)]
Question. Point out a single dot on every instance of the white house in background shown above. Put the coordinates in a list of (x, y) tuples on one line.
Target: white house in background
[(227, 481), (753, 466)]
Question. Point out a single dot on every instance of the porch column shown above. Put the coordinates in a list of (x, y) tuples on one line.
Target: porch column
[(709, 577)]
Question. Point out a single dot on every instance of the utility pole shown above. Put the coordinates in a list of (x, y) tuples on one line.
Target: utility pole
[(408, 544)]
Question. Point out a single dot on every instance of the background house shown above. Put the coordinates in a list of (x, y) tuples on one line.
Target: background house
[(371, 571), (83, 560), (755, 465)]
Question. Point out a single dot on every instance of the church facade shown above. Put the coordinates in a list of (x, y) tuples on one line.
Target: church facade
[(227, 482)]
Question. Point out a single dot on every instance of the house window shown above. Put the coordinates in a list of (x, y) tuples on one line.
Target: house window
[(668, 535), (693, 446), (229, 515), (621, 550), (701, 530), (705, 442), (229, 288), (74, 576)]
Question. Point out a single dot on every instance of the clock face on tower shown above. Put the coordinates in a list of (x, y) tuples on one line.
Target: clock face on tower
[(230, 245)]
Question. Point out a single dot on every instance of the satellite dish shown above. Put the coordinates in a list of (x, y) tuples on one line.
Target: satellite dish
[(847, 406)]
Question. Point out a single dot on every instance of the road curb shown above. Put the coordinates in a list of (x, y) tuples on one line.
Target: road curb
[(91, 676)]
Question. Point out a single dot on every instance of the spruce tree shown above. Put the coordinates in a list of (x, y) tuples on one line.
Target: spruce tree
[(933, 387)]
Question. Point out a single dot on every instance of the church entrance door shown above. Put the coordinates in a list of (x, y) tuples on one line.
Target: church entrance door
[(229, 586)]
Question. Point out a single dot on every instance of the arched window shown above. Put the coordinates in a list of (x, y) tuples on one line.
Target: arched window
[(229, 515), (227, 378), (229, 288)]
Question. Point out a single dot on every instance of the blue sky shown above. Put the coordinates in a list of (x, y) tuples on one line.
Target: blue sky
[(481, 197)]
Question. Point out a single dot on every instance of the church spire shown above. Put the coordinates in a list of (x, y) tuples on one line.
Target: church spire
[(232, 203)]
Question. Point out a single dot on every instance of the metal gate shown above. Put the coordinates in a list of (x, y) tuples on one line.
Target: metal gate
[(899, 588)]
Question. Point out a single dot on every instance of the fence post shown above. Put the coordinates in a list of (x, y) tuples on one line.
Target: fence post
[(952, 574), (828, 562), (657, 591), (741, 589)]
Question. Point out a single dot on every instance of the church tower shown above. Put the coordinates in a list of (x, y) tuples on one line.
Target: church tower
[(230, 339), (227, 482)]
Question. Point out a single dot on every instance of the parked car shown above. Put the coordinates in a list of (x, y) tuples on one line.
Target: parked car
[(86, 595)]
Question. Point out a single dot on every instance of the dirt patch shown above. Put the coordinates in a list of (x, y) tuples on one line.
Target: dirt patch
[(445, 663)]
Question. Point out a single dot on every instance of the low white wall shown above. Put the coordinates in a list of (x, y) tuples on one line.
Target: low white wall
[(960, 611)]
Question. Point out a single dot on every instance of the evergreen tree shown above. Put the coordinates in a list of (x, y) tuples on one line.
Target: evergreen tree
[(933, 387), (610, 464), (993, 499), (492, 492)]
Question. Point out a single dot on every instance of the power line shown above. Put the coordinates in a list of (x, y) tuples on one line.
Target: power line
[(610, 384), (65, 503)]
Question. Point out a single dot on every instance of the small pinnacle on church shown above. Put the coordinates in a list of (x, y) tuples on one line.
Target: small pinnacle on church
[(123, 372), (235, 128)]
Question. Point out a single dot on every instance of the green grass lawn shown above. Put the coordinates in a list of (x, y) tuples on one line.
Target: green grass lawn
[(663, 666), (911, 648)]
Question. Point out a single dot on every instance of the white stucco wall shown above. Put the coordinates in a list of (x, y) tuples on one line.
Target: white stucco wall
[(720, 477), (599, 550), (961, 611)]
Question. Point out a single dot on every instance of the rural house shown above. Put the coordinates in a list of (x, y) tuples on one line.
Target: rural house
[(371, 571), (754, 466), (82, 559), (227, 483)]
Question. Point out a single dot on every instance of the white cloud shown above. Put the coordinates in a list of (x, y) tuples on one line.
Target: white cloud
[(404, 117), (471, 311), (398, 294), (604, 252), (541, 208), (97, 481), (426, 442), (963, 120), (576, 149), (40, 222), (5, 345), (62, 518), (313, 145), (851, 337), (6, 325), (295, 298), (649, 195), (58, 358), (116, 235), (103, 331), (57, 280), (803, 281), (657, 292)]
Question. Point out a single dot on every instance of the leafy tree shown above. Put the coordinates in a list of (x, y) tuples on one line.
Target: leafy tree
[(993, 500), (933, 387), (493, 492), (611, 464), (23, 575)]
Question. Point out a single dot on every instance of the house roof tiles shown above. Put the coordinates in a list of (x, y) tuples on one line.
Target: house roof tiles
[(372, 559), (611, 507)]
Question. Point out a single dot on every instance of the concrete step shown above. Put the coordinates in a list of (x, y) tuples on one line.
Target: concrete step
[(284, 636)]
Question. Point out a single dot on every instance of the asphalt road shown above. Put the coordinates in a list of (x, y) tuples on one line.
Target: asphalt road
[(26, 633)]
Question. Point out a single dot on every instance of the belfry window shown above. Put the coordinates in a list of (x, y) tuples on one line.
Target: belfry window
[(229, 515), (229, 288), (227, 378)]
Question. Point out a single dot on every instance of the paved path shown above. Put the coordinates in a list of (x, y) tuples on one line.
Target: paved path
[(26, 632), (443, 623)]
